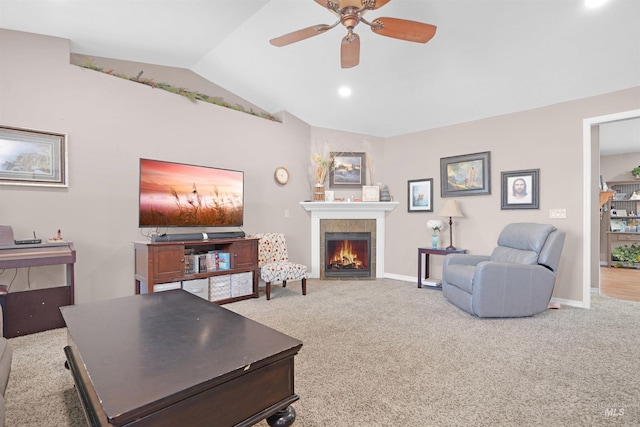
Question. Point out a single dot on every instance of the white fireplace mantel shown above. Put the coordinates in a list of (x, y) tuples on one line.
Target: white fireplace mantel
[(348, 210)]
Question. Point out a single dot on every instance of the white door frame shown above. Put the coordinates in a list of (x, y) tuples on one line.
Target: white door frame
[(589, 255)]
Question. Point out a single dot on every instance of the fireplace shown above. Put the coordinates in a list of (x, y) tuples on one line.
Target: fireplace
[(347, 254), (353, 217)]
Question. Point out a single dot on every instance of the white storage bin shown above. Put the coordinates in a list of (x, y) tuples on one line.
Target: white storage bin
[(241, 284), (219, 287), (199, 287), (166, 286)]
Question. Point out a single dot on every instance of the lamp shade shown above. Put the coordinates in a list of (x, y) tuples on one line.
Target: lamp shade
[(450, 209)]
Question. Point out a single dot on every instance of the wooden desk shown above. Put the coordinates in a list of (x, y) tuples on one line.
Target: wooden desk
[(173, 359), (36, 310), (432, 251)]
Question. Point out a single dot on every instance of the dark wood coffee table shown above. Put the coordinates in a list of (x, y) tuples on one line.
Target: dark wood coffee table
[(171, 358)]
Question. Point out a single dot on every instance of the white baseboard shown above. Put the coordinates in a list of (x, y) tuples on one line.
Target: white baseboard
[(569, 302), (401, 278)]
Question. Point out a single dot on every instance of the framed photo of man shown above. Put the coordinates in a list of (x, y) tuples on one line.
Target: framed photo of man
[(520, 189)]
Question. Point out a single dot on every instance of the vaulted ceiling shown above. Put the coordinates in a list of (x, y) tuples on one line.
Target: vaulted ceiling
[(488, 57)]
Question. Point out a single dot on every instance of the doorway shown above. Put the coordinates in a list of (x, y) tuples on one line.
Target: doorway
[(591, 214)]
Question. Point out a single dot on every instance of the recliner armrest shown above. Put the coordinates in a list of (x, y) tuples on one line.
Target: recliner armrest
[(524, 272), (511, 290)]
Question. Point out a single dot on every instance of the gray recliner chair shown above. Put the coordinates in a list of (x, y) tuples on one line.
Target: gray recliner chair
[(518, 278)]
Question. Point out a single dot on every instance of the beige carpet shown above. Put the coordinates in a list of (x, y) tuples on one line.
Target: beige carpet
[(384, 353)]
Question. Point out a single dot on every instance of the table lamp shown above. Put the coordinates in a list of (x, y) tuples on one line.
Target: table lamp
[(451, 210)]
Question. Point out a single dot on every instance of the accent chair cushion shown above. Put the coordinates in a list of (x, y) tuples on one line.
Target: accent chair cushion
[(282, 271)]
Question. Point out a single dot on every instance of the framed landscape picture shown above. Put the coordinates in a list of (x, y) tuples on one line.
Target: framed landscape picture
[(466, 175), (520, 189), (348, 171), (31, 157), (420, 195)]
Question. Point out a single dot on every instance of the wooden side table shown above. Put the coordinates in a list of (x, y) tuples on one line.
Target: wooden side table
[(432, 251)]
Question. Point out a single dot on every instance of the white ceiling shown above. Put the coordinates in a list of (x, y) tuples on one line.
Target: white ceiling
[(620, 137), (488, 57)]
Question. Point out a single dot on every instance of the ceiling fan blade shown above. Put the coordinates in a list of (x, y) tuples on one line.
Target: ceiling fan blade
[(350, 51), (296, 36), (404, 29)]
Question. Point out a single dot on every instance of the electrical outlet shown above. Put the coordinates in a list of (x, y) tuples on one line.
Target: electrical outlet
[(286, 213), (557, 213)]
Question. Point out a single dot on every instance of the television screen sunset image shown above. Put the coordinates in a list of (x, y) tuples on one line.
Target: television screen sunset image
[(181, 195)]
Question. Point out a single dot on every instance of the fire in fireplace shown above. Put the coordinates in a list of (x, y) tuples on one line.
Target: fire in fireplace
[(347, 254)]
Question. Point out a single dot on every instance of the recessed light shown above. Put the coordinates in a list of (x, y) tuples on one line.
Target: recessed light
[(592, 4), (344, 91)]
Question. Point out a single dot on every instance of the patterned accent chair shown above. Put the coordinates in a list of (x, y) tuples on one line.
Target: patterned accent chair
[(273, 260), (516, 280)]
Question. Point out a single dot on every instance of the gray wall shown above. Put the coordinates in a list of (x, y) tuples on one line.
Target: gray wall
[(111, 123), (547, 138)]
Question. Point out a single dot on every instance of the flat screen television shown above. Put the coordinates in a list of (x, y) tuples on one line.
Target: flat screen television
[(182, 195)]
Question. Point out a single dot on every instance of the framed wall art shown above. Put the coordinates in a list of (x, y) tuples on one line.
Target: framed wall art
[(466, 175), (520, 189), (348, 171), (31, 157), (420, 195)]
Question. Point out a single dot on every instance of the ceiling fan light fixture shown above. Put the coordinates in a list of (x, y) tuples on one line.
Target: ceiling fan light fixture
[(350, 14)]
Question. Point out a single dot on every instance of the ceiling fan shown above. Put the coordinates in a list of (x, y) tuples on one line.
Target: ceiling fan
[(350, 13)]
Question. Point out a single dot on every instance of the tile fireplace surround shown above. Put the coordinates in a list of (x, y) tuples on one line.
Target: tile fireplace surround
[(345, 210)]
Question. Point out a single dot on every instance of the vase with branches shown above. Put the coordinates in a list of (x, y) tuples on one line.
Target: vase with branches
[(322, 164)]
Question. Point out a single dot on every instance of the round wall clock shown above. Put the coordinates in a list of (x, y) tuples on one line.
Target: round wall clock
[(281, 175)]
